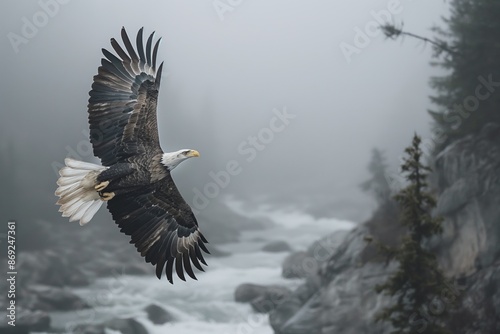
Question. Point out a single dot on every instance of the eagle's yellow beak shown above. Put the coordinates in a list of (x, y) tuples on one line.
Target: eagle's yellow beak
[(193, 153)]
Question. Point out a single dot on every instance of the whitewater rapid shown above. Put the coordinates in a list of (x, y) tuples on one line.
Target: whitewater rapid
[(207, 305)]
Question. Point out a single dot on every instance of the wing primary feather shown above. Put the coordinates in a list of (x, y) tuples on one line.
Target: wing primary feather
[(178, 267), (202, 246), (173, 246), (109, 66), (166, 248), (194, 259), (120, 51), (128, 46), (143, 234), (160, 265), (152, 255), (169, 269), (117, 63), (202, 237), (131, 52), (163, 256), (158, 75), (140, 48), (187, 265), (199, 255), (155, 51), (148, 48)]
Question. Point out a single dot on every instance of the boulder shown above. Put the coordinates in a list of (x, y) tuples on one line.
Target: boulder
[(246, 292), (293, 303), (340, 298), (158, 315), (265, 304), (277, 246), (295, 265), (126, 326)]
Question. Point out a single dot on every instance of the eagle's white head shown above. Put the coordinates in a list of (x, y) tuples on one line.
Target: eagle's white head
[(172, 159)]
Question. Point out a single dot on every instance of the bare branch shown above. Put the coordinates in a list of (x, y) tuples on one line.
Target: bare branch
[(393, 32)]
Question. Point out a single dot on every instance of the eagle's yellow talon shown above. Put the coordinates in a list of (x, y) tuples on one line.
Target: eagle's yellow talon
[(101, 186), (107, 196)]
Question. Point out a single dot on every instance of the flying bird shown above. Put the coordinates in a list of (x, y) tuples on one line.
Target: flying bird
[(135, 176)]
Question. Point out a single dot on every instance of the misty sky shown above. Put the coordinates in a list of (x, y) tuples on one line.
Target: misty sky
[(226, 81)]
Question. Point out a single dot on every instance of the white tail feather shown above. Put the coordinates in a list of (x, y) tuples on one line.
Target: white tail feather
[(63, 190), (67, 171), (80, 211), (91, 211), (82, 165), (77, 196)]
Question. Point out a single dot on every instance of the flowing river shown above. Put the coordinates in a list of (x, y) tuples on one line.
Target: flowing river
[(207, 305)]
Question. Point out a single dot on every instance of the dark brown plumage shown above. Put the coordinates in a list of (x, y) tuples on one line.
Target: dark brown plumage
[(124, 135)]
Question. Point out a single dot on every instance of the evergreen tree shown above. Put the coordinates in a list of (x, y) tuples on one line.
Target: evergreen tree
[(468, 96), (377, 184), (418, 283), (463, 108), (383, 225)]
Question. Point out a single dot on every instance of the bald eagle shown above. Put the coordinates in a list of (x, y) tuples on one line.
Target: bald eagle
[(134, 179)]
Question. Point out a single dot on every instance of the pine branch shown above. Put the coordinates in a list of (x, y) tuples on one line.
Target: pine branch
[(393, 32)]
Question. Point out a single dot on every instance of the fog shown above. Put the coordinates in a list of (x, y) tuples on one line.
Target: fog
[(228, 72)]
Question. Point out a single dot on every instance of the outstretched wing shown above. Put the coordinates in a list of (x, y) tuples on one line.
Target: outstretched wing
[(162, 227), (122, 103)]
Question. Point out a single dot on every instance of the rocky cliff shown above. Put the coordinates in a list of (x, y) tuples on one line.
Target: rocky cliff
[(467, 175), (339, 297)]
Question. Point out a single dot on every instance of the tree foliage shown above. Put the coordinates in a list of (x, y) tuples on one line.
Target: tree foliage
[(377, 184), (418, 284), (468, 96)]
